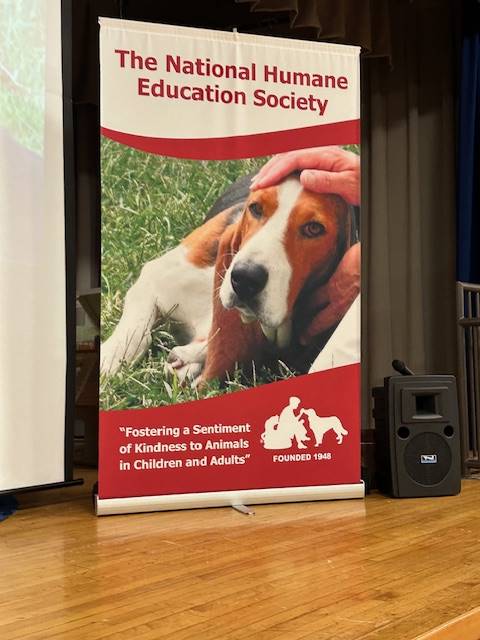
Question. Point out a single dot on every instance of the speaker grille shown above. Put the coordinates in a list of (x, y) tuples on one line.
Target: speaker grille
[(427, 458)]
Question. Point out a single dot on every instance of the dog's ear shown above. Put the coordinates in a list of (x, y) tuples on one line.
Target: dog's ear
[(351, 228), (347, 226), (346, 234), (230, 342), (228, 246)]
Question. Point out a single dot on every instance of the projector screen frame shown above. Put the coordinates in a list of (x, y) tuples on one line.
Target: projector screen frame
[(70, 236)]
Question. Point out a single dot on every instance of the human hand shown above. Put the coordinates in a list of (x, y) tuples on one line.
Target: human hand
[(323, 170), (328, 304)]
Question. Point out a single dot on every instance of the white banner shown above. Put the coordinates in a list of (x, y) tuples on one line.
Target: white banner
[(167, 74), (230, 354)]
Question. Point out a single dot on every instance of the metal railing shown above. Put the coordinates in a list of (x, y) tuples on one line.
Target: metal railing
[(468, 335)]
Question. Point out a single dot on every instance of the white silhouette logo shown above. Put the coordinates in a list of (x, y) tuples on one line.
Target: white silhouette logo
[(281, 431)]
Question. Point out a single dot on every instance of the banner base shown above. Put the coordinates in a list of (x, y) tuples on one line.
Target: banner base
[(117, 506)]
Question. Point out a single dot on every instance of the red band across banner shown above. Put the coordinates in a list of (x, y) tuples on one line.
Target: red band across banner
[(247, 146), (187, 448)]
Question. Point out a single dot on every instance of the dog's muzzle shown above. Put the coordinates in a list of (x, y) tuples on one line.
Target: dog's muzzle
[(248, 280)]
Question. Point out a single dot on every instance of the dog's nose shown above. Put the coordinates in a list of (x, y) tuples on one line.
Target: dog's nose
[(248, 279)]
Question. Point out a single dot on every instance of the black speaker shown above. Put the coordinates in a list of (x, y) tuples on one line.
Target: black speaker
[(417, 436)]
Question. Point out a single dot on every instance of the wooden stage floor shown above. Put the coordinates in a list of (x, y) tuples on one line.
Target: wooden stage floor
[(378, 570)]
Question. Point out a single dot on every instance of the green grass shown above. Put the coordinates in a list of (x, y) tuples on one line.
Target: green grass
[(149, 203)]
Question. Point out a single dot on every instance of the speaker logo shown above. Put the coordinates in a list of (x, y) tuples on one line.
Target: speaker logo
[(428, 458)]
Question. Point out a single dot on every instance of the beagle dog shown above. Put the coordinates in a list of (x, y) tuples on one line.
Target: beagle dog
[(235, 288)]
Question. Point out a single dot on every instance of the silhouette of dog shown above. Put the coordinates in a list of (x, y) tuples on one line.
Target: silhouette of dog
[(320, 426)]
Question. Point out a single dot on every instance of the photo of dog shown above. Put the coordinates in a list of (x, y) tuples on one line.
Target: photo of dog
[(235, 288)]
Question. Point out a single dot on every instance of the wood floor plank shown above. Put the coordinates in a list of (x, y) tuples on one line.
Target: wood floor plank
[(381, 569), (464, 627)]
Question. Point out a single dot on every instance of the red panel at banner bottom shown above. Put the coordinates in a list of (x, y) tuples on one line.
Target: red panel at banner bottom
[(247, 146), (299, 432)]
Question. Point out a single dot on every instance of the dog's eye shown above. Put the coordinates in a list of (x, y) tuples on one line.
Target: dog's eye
[(313, 229), (256, 210)]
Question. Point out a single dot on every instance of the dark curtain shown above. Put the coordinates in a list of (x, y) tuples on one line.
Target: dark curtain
[(365, 23), (408, 197), (468, 232)]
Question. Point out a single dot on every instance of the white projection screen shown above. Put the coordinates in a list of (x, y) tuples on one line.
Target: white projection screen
[(33, 272)]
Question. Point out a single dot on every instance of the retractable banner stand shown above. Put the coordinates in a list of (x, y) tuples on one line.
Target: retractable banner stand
[(230, 358)]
